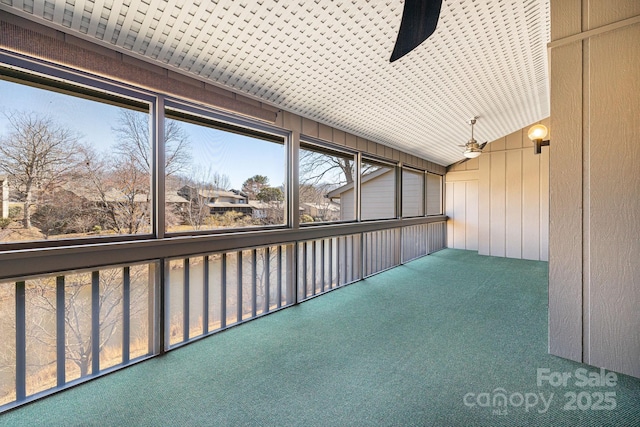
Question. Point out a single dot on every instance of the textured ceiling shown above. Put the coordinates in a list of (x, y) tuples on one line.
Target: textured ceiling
[(329, 60)]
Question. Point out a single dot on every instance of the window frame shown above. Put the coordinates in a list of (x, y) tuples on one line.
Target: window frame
[(414, 170), (77, 84), (426, 194), (177, 109), (395, 169), (320, 146)]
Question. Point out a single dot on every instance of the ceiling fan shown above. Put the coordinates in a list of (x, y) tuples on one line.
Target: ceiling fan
[(419, 20), (472, 149)]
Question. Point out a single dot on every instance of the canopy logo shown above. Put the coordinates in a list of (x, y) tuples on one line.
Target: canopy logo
[(500, 401)]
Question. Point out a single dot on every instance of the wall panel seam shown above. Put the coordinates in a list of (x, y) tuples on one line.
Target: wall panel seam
[(594, 32), (522, 248), (586, 172)]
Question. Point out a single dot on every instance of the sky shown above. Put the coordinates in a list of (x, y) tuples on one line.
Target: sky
[(237, 156)]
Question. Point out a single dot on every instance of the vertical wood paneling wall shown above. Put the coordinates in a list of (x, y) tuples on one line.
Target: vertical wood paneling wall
[(462, 210), (498, 203), (594, 273)]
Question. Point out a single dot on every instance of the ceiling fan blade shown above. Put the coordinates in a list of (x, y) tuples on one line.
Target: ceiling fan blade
[(419, 20)]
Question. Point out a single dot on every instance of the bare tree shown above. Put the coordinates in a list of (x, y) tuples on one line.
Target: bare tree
[(134, 142), (129, 202), (272, 199), (319, 174), (262, 280), (197, 210), (310, 193), (121, 189), (316, 166), (122, 180), (36, 154), (60, 212), (220, 181), (78, 342), (316, 196)]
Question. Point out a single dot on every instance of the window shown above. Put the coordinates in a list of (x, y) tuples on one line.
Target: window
[(71, 166), (325, 177), (434, 194), (412, 192), (377, 190), (222, 177)]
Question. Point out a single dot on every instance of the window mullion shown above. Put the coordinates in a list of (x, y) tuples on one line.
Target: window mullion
[(158, 174)]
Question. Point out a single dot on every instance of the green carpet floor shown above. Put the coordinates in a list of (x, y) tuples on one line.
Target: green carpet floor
[(428, 343)]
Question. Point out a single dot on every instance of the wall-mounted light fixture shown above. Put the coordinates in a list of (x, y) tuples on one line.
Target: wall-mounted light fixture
[(537, 135)]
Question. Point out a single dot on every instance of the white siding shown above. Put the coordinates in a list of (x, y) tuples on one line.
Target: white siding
[(378, 199), (412, 193), (434, 194), (347, 206)]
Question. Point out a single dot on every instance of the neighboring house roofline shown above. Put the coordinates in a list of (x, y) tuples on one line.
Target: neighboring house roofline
[(331, 206), (264, 205), (229, 205), (113, 195), (209, 193), (364, 179)]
